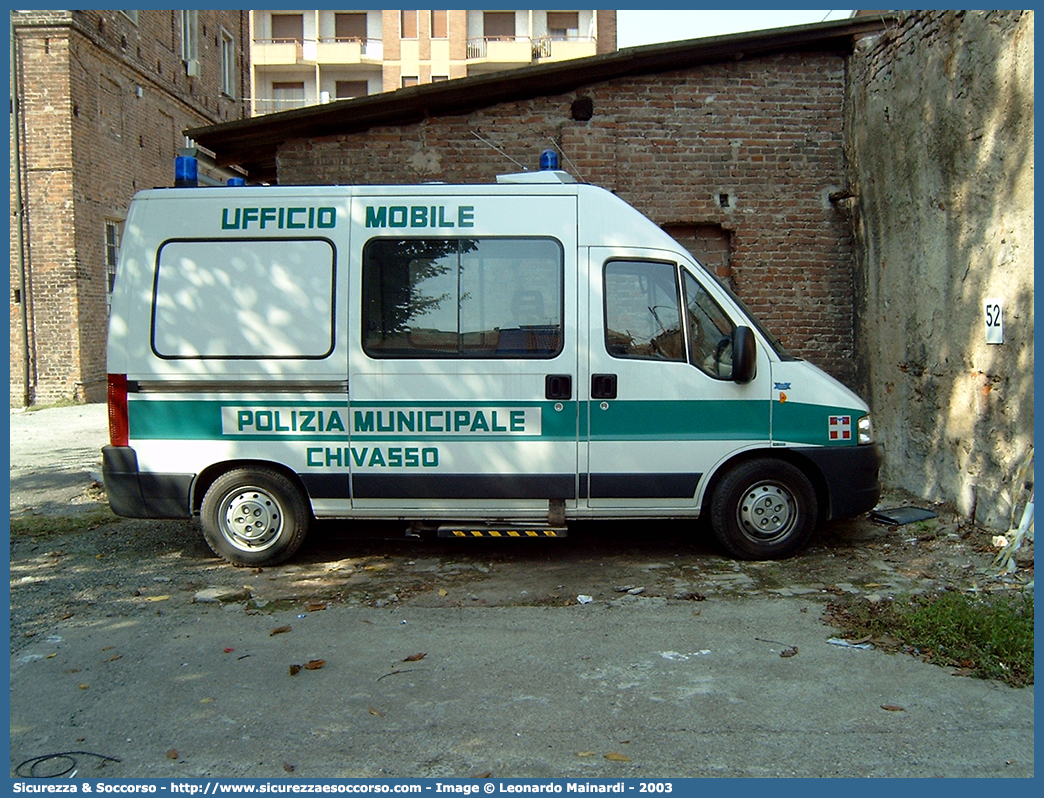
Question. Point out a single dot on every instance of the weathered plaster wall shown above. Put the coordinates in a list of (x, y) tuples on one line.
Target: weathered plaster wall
[(941, 138)]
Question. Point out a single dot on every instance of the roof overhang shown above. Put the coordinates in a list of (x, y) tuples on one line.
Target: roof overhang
[(251, 144)]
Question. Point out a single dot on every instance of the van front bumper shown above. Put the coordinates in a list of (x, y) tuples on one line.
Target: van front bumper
[(133, 494), (852, 477)]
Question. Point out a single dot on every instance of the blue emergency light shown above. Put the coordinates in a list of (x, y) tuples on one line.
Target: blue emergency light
[(548, 160), (236, 181), (186, 172)]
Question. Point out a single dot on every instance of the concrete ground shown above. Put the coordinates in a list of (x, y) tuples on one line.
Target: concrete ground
[(585, 692), (55, 455)]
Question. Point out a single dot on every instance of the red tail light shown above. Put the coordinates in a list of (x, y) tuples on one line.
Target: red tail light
[(119, 429)]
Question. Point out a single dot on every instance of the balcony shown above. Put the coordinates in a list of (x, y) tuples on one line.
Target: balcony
[(488, 54), (349, 51), (549, 48), (260, 106), (277, 52)]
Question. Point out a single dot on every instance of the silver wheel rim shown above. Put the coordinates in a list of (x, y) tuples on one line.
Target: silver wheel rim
[(767, 513), (251, 519)]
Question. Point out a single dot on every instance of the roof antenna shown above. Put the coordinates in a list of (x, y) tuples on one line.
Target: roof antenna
[(492, 146), (566, 159)]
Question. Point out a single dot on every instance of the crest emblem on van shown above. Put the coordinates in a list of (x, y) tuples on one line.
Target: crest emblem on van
[(840, 428)]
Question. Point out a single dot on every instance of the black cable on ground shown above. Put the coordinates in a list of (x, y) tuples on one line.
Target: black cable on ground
[(69, 756)]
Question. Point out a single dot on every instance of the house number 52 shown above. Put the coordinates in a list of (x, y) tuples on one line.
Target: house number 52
[(995, 321)]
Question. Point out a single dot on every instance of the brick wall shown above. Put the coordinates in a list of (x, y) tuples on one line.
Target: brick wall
[(51, 287), (103, 102), (392, 75), (458, 31), (751, 147), (606, 31)]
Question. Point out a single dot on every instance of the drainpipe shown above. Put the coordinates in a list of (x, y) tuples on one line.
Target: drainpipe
[(16, 102)]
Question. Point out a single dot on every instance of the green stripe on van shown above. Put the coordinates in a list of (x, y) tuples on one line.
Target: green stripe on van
[(621, 421), (187, 420), (284, 420), (680, 420), (796, 422), (174, 420)]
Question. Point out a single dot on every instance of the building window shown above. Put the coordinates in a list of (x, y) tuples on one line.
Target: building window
[(112, 252), (228, 64), (439, 78), (563, 25), (288, 95), (408, 24), (410, 80), (131, 15), (190, 37), (190, 42), (110, 107), (439, 25), (350, 27), (499, 25), (288, 28), (346, 89)]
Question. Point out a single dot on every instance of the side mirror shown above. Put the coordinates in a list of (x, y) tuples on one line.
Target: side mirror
[(744, 355)]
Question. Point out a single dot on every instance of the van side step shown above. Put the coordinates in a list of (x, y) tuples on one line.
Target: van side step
[(507, 531)]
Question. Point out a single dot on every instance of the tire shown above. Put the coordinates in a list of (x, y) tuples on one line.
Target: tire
[(763, 509), (254, 516)]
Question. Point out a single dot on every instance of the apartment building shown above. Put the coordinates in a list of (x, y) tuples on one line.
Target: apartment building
[(301, 58)]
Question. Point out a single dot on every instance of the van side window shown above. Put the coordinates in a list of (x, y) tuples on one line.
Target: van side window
[(244, 299), (642, 311), (480, 298), (710, 331)]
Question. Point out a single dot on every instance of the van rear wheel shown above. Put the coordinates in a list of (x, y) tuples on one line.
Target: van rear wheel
[(254, 516), (763, 509)]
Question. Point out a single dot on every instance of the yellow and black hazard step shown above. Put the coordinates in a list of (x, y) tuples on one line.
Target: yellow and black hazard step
[(507, 531)]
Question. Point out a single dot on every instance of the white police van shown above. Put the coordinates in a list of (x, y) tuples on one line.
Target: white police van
[(496, 360)]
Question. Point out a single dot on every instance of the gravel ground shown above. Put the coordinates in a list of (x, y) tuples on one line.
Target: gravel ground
[(70, 557)]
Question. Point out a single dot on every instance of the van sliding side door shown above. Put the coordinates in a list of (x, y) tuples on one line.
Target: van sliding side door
[(463, 354)]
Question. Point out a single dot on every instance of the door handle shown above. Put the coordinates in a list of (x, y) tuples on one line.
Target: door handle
[(603, 386), (558, 387)]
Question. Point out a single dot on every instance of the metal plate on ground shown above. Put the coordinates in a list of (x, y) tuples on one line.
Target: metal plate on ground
[(902, 515)]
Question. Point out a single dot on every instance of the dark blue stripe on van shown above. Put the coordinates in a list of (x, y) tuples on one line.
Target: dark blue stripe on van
[(488, 486), (464, 486), (326, 486)]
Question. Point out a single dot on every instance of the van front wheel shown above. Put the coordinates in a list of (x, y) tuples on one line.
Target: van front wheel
[(763, 509), (254, 516)]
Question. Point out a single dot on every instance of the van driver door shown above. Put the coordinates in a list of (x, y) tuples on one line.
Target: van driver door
[(662, 409)]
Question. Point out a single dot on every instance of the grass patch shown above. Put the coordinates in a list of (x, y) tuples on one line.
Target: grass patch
[(63, 402), (45, 525), (990, 637)]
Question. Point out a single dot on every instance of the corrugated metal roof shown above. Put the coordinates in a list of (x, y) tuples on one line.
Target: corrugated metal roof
[(251, 143)]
